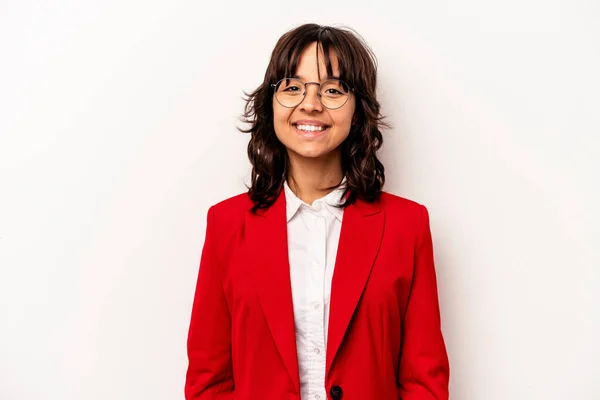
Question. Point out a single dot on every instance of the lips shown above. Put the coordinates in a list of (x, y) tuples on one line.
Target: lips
[(309, 131), (310, 128)]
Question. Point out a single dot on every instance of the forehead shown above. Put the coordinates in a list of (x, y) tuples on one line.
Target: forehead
[(314, 62)]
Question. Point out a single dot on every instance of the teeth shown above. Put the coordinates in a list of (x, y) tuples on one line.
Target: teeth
[(310, 128)]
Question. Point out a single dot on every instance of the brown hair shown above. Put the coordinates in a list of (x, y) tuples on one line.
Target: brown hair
[(358, 67)]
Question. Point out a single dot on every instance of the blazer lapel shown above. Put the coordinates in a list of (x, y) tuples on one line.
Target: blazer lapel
[(266, 233), (360, 238)]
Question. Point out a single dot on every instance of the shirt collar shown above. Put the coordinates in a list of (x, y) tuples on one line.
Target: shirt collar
[(331, 200)]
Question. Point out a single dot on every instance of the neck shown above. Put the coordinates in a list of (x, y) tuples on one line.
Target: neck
[(308, 177)]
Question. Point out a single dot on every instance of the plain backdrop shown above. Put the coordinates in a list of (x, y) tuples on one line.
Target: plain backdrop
[(118, 131)]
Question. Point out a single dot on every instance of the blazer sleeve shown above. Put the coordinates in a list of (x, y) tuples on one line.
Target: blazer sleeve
[(424, 368), (209, 374)]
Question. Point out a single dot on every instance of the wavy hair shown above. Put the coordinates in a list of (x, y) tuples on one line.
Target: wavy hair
[(358, 67)]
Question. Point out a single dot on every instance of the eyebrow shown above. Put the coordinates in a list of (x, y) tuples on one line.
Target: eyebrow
[(303, 79)]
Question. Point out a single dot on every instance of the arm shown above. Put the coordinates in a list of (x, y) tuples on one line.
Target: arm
[(209, 374), (424, 369)]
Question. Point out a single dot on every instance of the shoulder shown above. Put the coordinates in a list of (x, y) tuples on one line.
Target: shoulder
[(225, 221), (395, 203), (232, 209), (404, 211)]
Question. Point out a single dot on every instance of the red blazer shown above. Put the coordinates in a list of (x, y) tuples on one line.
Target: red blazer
[(384, 339)]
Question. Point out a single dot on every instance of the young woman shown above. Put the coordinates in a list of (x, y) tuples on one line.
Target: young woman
[(316, 284)]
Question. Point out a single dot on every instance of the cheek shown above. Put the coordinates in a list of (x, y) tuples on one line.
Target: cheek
[(343, 118), (281, 115), (281, 118)]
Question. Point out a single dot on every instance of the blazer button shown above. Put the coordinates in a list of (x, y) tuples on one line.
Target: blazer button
[(336, 392)]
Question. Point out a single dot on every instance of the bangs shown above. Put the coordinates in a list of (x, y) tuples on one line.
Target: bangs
[(327, 41)]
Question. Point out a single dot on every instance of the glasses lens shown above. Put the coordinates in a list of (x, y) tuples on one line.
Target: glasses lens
[(334, 93), (290, 92)]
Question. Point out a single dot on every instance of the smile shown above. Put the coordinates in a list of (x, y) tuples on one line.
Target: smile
[(311, 128)]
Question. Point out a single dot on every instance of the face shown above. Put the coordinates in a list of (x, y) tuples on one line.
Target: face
[(292, 125)]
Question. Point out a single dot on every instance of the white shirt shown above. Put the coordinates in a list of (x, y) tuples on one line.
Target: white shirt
[(313, 235)]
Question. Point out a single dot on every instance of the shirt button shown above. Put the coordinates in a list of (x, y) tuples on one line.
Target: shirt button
[(317, 396), (316, 350), (316, 305)]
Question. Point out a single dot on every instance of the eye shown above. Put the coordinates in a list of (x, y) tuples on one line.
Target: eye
[(333, 91), (291, 89)]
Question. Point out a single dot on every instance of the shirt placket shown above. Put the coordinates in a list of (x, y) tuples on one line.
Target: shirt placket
[(316, 295)]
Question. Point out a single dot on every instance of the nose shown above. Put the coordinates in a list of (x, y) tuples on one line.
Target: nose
[(311, 99)]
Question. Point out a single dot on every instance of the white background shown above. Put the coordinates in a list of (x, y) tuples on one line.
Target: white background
[(118, 131)]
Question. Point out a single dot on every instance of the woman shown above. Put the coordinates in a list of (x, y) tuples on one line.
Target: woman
[(291, 302)]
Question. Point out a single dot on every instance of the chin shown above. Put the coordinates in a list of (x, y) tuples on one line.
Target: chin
[(307, 153), (313, 152)]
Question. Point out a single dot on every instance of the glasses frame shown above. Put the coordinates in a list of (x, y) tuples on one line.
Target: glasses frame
[(351, 89)]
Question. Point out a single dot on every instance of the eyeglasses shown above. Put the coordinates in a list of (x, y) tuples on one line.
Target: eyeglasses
[(332, 93)]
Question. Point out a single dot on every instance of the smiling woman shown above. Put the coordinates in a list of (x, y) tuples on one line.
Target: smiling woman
[(315, 283), (323, 79)]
